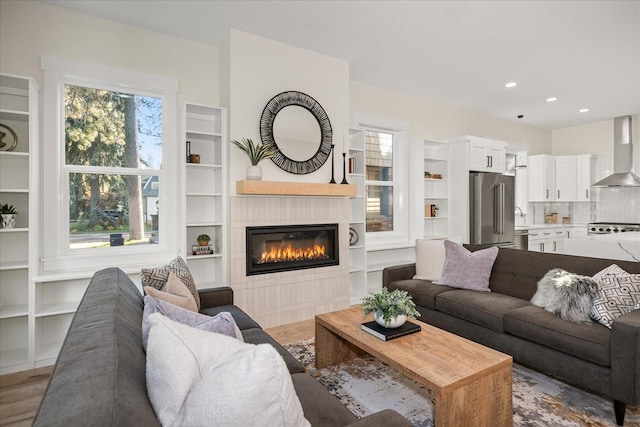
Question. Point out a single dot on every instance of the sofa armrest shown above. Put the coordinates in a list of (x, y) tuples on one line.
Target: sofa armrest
[(625, 358), (214, 297), (384, 418), (398, 272)]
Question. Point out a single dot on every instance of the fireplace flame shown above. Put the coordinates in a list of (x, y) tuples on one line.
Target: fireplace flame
[(289, 253)]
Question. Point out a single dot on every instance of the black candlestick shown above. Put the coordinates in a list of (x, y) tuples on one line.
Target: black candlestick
[(344, 168), (333, 181)]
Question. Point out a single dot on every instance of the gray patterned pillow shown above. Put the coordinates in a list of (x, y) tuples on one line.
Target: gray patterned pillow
[(156, 277), (222, 323), (565, 294), (465, 269), (618, 293)]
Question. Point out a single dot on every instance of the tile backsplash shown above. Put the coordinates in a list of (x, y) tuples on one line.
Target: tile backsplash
[(617, 204)]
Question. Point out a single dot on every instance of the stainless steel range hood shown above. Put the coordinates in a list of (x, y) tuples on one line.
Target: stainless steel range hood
[(622, 157)]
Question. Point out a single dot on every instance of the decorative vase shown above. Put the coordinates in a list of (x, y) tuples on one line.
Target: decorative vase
[(395, 322), (254, 173), (9, 220), (203, 242)]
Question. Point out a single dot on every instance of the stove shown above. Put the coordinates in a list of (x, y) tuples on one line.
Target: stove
[(612, 227)]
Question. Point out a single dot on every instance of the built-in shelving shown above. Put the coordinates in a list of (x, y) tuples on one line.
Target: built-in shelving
[(357, 217), (19, 175), (204, 208)]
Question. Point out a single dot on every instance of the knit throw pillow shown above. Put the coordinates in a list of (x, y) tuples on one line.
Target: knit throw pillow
[(156, 277), (566, 295), (618, 293)]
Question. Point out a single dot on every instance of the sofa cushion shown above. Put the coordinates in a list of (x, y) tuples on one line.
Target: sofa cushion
[(466, 269), (423, 292), (566, 294), (174, 292), (222, 323), (242, 319), (483, 308), (587, 341), (209, 376), (320, 408), (259, 336), (156, 277)]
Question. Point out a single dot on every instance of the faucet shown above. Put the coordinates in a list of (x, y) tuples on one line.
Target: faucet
[(521, 213)]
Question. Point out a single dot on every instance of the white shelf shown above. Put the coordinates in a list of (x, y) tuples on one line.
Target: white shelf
[(204, 224), (57, 308), (16, 154), (14, 115), (49, 351), (14, 230), (14, 190), (204, 194), (11, 311), (383, 265), (14, 265), (13, 358), (204, 165), (194, 257), (433, 218)]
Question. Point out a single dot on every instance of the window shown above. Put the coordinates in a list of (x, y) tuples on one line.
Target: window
[(380, 182), (107, 132), (113, 159)]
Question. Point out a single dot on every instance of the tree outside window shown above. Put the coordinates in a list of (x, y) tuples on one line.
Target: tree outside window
[(113, 158), (379, 181)]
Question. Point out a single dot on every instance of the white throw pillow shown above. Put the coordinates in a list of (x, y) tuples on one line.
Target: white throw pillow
[(430, 257), (196, 377)]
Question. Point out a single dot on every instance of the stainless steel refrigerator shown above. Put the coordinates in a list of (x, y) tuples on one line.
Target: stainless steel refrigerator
[(492, 207)]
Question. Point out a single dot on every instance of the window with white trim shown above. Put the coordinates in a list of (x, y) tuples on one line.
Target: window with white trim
[(106, 133)]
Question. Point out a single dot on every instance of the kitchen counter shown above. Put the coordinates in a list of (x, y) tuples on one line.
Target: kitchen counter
[(622, 246), (549, 226)]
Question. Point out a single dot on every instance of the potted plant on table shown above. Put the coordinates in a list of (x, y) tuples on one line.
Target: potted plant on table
[(256, 153), (203, 239), (9, 215), (390, 308)]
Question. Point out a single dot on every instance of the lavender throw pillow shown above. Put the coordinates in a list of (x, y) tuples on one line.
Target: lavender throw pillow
[(465, 269), (222, 323)]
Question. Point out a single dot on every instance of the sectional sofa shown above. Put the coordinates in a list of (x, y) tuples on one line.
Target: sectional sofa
[(99, 377), (591, 356)]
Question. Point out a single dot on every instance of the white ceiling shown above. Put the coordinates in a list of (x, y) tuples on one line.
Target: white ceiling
[(586, 53)]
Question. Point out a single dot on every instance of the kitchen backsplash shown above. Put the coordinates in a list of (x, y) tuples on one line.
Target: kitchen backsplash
[(617, 204), (577, 212)]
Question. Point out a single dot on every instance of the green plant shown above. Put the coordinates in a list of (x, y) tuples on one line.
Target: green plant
[(256, 152), (389, 304), (6, 209), (203, 238)]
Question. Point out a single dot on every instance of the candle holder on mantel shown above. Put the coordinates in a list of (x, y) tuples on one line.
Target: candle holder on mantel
[(333, 181), (344, 168)]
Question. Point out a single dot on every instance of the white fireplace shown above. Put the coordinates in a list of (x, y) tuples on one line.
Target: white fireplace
[(278, 298)]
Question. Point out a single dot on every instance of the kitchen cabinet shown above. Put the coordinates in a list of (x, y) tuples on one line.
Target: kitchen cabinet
[(585, 176), (565, 178), (486, 155), (542, 178), (548, 239)]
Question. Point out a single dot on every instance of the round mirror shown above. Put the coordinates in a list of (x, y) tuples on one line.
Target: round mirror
[(299, 129), (297, 133)]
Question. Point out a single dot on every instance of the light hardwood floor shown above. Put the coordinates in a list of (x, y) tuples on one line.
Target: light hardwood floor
[(20, 393)]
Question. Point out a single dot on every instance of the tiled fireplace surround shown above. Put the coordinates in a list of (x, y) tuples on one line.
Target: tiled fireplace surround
[(278, 298)]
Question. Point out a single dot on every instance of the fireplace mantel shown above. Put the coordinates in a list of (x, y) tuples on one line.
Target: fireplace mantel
[(294, 188)]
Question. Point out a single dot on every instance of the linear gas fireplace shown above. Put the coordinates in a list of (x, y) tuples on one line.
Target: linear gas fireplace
[(291, 247)]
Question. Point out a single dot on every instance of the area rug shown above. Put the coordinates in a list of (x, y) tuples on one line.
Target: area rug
[(366, 385)]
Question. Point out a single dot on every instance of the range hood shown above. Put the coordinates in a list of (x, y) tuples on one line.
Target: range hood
[(622, 157)]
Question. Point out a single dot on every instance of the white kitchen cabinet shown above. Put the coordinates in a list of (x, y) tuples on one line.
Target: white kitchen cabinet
[(541, 173), (585, 176), (487, 155), (548, 239), (565, 178)]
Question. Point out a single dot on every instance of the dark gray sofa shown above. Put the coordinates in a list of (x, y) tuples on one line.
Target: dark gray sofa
[(99, 377), (590, 356)]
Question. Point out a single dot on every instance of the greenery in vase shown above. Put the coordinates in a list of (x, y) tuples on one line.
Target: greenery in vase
[(203, 238), (389, 304), (256, 152), (6, 209)]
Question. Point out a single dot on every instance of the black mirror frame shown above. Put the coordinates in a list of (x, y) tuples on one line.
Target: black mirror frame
[(271, 110)]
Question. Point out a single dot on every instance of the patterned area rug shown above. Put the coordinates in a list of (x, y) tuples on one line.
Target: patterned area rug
[(366, 385)]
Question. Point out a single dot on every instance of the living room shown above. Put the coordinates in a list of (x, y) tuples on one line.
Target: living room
[(240, 75)]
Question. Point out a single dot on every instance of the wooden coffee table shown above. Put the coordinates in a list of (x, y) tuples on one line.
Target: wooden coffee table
[(471, 383)]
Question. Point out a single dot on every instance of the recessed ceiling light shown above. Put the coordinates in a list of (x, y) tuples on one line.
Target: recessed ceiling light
[(552, 99), (584, 110), (511, 84)]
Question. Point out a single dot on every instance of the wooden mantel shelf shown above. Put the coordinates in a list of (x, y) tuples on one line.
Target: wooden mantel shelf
[(294, 188)]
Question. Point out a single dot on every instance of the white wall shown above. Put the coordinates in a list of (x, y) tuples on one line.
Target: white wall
[(29, 29), (258, 69), (433, 120)]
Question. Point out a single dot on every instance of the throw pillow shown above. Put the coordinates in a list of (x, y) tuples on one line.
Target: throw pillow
[(430, 257), (221, 323), (156, 277), (618, 293), (211, 377), (465, 269), (175, 292), (565, 294)]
